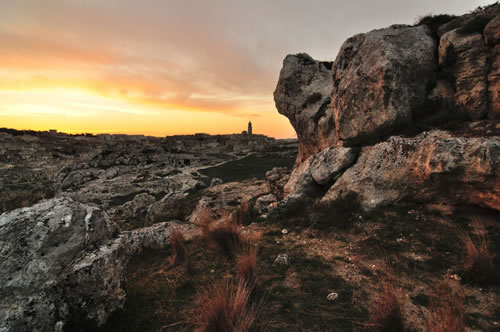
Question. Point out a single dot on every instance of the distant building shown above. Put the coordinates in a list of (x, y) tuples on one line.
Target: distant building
[(53, 131), (249, 127)]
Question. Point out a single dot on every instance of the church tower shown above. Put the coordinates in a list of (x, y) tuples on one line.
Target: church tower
[(249, 127)]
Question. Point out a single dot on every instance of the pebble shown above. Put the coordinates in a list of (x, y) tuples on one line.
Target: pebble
[(332, 296), (282, 259), (284, 231)]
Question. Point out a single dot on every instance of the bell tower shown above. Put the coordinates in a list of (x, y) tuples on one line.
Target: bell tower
[(249, 127)]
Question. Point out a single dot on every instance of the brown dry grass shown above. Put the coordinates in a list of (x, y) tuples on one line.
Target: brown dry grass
[(205, 221), (177, 244), (225, 307), (247, 268), (385, 312), (479, 261), (446, 311), (225, 235), (245, 215)]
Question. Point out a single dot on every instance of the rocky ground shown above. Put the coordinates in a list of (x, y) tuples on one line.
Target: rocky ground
[(417, 250)]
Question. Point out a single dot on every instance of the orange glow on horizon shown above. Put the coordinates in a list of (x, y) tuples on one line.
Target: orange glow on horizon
[(76, 110)]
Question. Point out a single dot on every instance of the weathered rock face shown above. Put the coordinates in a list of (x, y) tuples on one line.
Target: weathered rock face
[(61, 259), (169, 207), (303, 93), (432, 167), (276, 180), (317, 173), (389, 77), (465, 59), (380, 78)]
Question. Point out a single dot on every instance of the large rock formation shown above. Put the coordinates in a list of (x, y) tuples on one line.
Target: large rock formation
[(402, 80), (63, 260), (380, 78), (431, 167), (303, 93)]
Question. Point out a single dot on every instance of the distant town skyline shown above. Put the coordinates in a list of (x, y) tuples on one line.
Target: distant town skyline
[(172, 67)]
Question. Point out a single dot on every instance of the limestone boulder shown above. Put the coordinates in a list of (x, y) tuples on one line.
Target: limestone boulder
[(476, 19), (301, 184), (317, 173), (494, 85), (492, 32), (331, 162), (465, 58), (379, 79), (136, 208), (276, 180), (264, 203), (63, 261), (432, 167), (170, 207), (303, 96)]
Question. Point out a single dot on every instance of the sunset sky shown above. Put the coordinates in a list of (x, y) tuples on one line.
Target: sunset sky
[(162, 67)]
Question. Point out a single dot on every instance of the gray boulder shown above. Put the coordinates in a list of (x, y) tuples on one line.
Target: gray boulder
[(314, 176), (327, 165), (303, 93), (431, 167), (380, 79), (170, 207), (61, 259), (466, 60)]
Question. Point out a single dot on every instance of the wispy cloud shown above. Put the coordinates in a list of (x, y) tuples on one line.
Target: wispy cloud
[(147, 58)]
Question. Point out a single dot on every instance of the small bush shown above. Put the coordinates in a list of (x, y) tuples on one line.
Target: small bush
[(385, 313), (446, 312), (479, 261), (225, 307), (475, 25), (177, 244), (205, 221), (245, 213), (247, 268), (434, 21), (226, 236)]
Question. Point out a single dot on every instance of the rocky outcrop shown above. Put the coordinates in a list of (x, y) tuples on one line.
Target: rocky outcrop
[(407, 81), (317, 173), (276, 180), (380, 79), (169, 207), (465, 60), (431, 167), (303, 93), (63, 260)]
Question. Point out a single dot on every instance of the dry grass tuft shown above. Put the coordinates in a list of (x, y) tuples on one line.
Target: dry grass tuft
[(385, 313), (446, 311), (225, 307), (177, 243), (247, 268), (245, 213), (479, 261), (226, 236), (205, 221)]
